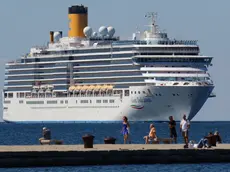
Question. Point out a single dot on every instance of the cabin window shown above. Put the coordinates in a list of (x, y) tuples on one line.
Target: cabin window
[(111, 101), (98, 101), (28, 94), (22, 95), (7, 101), (10, 95), (52, 102), (117, 91), (105, 101), (84, 101), (35, 102), (21, 101), (61, 101), (126, 92)]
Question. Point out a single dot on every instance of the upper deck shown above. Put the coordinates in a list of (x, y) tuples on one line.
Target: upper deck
[(105, 41)]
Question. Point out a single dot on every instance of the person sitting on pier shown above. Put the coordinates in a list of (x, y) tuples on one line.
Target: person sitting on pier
[(152, 137), (218, 138), (212, 139), (46, 134), (203, 143)]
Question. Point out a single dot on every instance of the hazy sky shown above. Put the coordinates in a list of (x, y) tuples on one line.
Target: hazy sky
[(26, 23)]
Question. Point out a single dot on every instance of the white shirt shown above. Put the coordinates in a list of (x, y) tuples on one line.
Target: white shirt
[(184, 125)]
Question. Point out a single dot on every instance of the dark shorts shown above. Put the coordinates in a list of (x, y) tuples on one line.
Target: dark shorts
[(185, 133), (173, 133)]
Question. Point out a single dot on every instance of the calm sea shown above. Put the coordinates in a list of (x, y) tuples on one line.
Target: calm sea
[(28, 134)]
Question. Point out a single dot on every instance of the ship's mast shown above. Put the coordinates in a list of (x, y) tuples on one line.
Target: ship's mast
[(153, 25)]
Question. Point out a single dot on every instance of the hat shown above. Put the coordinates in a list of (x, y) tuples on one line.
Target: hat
[(44, 128)]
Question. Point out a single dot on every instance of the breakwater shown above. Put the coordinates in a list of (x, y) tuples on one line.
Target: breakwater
[(106, 154)]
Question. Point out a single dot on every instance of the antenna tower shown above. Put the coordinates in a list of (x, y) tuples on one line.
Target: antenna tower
[(153, 25)]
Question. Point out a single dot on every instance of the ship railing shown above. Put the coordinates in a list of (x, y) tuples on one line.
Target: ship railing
[(177, 42), (40, 47)]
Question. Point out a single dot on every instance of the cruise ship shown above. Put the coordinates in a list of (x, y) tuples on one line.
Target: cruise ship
[(94, 76)]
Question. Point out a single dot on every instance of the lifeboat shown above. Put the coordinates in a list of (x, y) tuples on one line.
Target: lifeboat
[(77, 88), (97, 87), (110, 87), (104, 87), (50, 87), (84, 88), (72, 88), (91, 87), (36, 87)]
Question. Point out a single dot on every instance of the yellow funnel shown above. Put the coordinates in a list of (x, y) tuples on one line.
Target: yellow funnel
[(78, 20)]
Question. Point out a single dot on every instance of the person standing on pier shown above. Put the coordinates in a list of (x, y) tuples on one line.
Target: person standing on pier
[(126, 130), (172, 128), (184, 127)]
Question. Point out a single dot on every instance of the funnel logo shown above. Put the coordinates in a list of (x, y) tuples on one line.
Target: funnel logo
[(138, 107)]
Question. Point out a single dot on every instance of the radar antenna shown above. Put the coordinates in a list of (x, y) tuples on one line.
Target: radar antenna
[(153, 25)]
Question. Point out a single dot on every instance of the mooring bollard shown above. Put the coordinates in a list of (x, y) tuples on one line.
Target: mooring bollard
[(109, 140), (88, 141)]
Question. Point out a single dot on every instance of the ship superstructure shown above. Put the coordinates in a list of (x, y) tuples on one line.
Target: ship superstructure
[(90, 76)]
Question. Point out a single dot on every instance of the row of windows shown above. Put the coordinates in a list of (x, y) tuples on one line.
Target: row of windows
[(172, 53), (82, 101), (7, 102), (157, 94), (105, 101), (200, 60), (36, 77), (58, 70), (84, 57), (82, 51), (66, 101), (34, 95), (181, 78), (66, 64), (8, 95), (35, 71), (165, 49), (34, 102)]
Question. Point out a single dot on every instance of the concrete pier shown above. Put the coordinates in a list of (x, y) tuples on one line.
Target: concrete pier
[(64, 155)]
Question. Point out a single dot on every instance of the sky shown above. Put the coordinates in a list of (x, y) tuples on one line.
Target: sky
[(26, 23)]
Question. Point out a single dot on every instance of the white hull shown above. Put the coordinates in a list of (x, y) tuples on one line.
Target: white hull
[(170, 100)]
